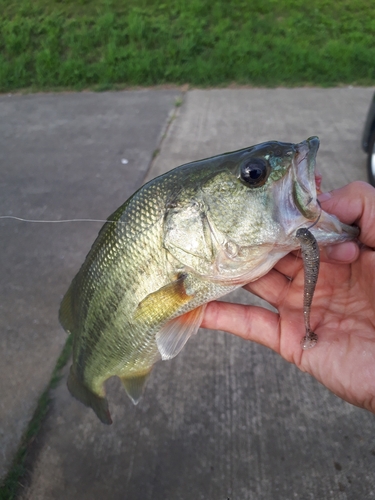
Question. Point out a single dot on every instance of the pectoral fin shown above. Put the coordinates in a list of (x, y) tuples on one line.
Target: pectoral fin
[(157, 307), (173, 336), (162, 304)]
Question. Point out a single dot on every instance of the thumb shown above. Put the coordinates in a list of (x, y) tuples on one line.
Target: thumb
[(353, 204)]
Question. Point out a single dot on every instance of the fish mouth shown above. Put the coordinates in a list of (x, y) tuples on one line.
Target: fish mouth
[(306, 187), (307, 179)]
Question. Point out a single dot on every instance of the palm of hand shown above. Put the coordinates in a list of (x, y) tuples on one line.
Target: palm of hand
[(343, 308), (342, 316)]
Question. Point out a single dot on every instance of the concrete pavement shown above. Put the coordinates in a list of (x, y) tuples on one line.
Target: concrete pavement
[(226, 418), (61, 157)]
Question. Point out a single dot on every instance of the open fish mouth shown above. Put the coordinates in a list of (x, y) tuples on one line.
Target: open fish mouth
[(306, 187), (318, 181), (307, 180)]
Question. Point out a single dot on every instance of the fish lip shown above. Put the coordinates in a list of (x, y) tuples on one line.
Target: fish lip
[(330, 230)]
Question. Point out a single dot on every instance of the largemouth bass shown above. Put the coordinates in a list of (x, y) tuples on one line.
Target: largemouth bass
[(185, 238)]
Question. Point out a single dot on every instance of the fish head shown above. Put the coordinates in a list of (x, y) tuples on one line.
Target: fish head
[(295, 188), (247, 208), (271, 193)]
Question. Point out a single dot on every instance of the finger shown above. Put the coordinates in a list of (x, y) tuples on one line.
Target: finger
[(353, 204), (290, 265), (344, 253), (271, 287), (249, 322)]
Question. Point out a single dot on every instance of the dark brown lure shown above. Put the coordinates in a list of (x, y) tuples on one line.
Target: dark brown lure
[(311, 261)]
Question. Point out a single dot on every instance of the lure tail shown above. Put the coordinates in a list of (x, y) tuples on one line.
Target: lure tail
[(82, 393)]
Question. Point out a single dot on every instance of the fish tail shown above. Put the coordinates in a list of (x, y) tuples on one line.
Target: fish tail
[(89, 398)]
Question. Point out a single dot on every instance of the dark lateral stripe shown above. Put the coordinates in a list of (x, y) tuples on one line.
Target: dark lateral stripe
[(96, 324)]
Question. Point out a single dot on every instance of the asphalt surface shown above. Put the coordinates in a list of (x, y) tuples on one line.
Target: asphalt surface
[(225, 418)]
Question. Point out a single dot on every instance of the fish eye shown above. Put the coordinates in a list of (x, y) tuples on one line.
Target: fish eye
[(255, 172)]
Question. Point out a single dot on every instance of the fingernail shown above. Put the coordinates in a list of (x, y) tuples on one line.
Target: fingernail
[(324, 197)]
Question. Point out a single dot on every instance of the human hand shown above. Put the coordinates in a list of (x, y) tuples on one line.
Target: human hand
[(343, 307)]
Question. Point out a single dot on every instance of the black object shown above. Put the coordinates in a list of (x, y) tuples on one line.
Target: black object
[(368, 142)]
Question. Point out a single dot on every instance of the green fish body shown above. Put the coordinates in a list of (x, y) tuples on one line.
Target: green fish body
[(185, 238)]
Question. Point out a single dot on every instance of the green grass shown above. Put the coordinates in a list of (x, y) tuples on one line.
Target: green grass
[(11, 483), (100, 44)]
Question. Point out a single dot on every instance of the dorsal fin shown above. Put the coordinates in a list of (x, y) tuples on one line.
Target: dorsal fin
[(66, 317)]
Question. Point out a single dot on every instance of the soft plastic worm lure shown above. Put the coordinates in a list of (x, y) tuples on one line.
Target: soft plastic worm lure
[(311, 261)]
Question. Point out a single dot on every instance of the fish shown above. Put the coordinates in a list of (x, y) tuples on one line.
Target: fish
[(183, 239)]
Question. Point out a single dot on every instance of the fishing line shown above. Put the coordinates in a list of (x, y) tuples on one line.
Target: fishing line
[(317, 220), (56, 221)]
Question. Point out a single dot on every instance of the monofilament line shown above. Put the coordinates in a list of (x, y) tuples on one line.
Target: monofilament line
[(55, 221)]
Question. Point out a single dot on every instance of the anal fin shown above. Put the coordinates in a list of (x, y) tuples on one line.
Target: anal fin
[(134, 386), (173, 336)]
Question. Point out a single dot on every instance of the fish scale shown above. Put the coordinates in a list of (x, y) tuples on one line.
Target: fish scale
[(187, 237)]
